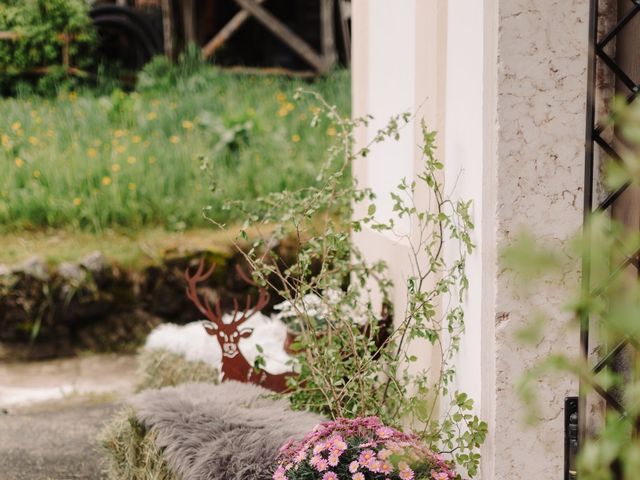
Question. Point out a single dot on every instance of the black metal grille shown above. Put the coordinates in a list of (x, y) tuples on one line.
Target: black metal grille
[(596, 143)]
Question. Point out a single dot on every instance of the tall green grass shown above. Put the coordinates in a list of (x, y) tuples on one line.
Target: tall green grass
[(86, 161)]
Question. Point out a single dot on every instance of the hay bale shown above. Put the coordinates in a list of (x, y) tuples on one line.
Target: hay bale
[(131, 450), (161, 368)]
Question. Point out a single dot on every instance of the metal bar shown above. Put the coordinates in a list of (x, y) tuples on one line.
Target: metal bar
[(610, 356), (607, 148), (620, 74), (588, 206), (619, 26), (612, 197)]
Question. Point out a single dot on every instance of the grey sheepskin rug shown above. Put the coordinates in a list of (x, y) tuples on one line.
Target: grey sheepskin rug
[(230, 431)]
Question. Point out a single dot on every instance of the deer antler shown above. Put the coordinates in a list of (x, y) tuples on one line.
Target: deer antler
[(263, 300), (192, 293)]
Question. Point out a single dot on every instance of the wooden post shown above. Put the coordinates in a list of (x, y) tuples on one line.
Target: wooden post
[(626, 209), (327, 33), (226, 32), (344, 30), (167, 28), (285, 34), (188, 22)]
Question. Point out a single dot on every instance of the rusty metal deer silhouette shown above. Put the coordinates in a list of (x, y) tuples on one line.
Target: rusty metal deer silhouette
[(234, 365)]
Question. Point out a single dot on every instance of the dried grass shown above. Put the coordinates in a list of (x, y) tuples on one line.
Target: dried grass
[(161, 368), (131, 450)]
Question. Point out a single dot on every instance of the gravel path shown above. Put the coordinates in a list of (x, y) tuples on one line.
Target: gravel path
[(51, 413), (53, 443)]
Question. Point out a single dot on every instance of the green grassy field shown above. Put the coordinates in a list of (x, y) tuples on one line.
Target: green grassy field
[(91, 162)]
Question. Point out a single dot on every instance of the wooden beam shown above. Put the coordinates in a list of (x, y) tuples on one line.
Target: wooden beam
[(167, 28), (346, 35), (226, 32), (327, 33), (188, 22), (9, 35), (284, 33)]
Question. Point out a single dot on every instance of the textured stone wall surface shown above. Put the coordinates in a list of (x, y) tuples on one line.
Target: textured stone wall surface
[(541, 90)]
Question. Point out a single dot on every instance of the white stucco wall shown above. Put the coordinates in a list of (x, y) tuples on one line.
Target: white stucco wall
[(504, 82)]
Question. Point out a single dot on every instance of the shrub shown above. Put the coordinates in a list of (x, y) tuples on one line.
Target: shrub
[(352, 364), (39, 25)]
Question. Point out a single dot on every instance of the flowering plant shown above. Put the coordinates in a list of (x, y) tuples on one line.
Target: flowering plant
[(360, 449)]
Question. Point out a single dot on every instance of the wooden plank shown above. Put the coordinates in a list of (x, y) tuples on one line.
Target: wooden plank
[(167, 28), (344, 30), (9, 35), (188, 21), (327, 33), (285, 34), (226, 32)]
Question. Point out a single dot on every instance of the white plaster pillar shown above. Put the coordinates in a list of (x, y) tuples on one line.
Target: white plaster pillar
[(504, 83)]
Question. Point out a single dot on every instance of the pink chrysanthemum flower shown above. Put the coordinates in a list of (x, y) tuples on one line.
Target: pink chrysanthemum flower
[(279, 474), (366, 457), (301, 456), (330, 476), (386, 468), (385, 432), (322, 465), (406, 474), (353, 466), (333, 459), (374, 466), (319, 448), (384, 454), (358, 476), (314, 460)]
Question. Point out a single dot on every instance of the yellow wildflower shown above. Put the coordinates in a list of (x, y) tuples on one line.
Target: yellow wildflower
[(152, 116), (295, 138), (136, 139), (119, 133), (36, 173), (106, 181), (6, 141), (289, 106), (131, 160), (282, 112), (281, 97), (34, 140), (16, 126), (77, 201), (152, 160), (120, 148), (174, 139), (73, 96), (187, 125), (115, 168), (92, 152), (132, 186), (97, 143), (50, 133), (19, 162), (33, 114), (331, 131)]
